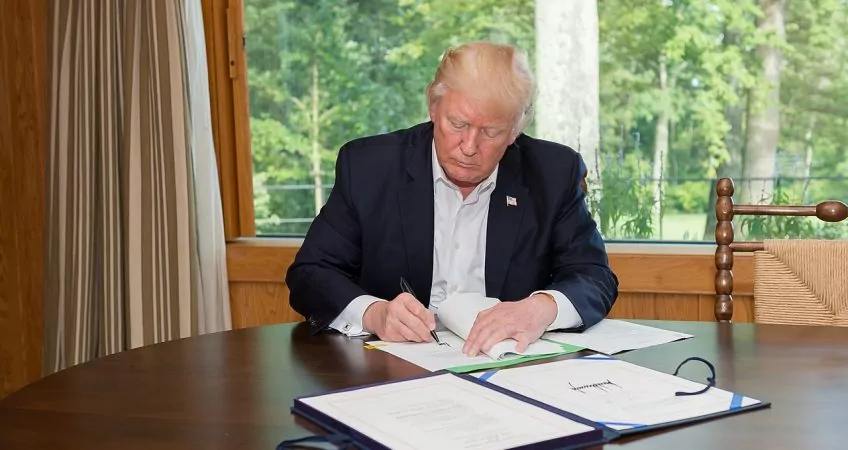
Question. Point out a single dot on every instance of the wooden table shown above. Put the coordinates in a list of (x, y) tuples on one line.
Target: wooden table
[(233, 390)]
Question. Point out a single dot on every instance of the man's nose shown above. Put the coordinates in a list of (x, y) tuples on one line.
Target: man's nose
[(469, 142)]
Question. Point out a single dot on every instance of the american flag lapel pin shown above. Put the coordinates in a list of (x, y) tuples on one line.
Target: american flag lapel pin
[(510, 201)]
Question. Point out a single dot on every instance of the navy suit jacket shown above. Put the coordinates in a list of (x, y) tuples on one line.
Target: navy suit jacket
[(377, 226)]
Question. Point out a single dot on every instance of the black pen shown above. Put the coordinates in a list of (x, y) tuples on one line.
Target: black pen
[(404, 286)]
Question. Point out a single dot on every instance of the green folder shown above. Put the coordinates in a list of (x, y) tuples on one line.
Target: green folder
[(566, 349)]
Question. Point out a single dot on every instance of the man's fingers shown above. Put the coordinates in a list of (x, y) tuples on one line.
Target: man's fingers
[(395, 332), (472, 336), (416, 326), (405, 333), (523, 342), (415, 307), (479, 332), (497, 335), (473, 346), (403, 316)]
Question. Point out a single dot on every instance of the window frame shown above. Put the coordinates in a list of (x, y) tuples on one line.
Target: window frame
[(223, 22)]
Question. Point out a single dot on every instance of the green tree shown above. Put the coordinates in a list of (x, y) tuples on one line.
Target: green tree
[(675, 79)]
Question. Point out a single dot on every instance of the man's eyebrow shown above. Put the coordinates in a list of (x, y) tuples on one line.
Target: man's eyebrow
[(496, 128)]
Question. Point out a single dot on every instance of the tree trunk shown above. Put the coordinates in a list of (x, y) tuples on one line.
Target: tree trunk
[(808, 157), (316, 144), (763, 129), (734, 141), (661, 143), (567, 109)]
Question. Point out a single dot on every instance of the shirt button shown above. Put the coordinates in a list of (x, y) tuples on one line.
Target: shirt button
[(347, 327)]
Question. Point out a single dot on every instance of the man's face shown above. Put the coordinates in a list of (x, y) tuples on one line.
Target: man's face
[(470, 137)]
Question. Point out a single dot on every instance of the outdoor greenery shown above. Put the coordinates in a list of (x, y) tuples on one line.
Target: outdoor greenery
[(690, 90)]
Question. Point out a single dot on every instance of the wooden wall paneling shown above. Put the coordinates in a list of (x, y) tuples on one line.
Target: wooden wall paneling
[(255, 261), (678, 274), (633, 306), (652, 286), (266, 259), (24, 91), (676, 307), (255, 304), (743, 308)]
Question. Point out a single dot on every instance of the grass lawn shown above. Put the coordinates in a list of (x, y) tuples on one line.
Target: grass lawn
[(675, 227), (683, 227)]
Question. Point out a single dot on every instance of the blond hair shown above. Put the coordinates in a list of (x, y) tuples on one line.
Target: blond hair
[(488, 72)]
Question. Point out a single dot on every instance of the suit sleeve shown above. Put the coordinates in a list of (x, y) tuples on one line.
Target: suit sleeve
[(322, 281), (580, 266)]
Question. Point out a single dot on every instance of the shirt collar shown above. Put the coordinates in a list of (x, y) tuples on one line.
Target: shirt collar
[(439, 174)]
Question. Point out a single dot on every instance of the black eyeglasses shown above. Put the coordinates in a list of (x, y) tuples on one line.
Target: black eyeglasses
[(710, 380)]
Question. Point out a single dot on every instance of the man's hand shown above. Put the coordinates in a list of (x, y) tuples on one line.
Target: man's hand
[(525, 321), (401, 319)]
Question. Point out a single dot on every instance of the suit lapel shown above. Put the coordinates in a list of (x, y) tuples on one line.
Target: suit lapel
[(506, 209), (415, 200)]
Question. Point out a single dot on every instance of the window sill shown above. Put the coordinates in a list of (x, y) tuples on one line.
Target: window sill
[(614, 247), (687, 269)]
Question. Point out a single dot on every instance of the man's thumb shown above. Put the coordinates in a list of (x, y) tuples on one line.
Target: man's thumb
[(523, 343)]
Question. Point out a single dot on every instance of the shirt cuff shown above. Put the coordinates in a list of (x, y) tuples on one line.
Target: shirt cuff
[(567, 316), (349, 322)]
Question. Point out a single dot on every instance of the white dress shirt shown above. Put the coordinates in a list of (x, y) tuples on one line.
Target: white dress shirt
[(459, 254)]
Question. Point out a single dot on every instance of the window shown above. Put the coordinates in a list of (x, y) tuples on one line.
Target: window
[(661, 98)]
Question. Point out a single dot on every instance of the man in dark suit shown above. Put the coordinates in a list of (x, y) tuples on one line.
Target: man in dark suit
[(463, 203)]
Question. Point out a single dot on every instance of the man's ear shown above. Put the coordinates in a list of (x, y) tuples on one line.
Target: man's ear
[(514, 135), (583, 184), (431, 108)]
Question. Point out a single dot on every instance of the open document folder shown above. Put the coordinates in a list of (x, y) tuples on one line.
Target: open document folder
[(440, 411), (567, 404), (620, 395), (457, 313)]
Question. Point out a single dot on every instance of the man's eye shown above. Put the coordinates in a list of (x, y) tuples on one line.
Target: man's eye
[(458, 126)]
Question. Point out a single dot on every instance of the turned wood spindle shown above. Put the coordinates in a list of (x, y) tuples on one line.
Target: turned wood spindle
[(724, 252), (829, 211), (832, 211)]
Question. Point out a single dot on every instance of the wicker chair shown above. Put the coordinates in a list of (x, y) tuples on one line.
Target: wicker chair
[(791, 284)]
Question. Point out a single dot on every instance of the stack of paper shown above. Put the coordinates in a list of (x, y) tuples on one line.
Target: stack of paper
[(613, 336), (457, 314), (433, 356)]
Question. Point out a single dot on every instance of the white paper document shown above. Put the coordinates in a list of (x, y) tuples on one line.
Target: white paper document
[(616, 393), (611, 336), (433, 356), (443, 411), (457, 314)]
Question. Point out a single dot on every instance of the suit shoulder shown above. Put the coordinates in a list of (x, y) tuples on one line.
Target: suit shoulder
[(381, 145)]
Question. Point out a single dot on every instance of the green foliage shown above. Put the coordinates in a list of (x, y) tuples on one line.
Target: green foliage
[(776, 227), (701, 66), (322, 72), (772, 227), (624, 209), (687, 197)]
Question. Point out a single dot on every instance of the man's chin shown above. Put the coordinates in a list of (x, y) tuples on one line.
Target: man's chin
[(465, 177)]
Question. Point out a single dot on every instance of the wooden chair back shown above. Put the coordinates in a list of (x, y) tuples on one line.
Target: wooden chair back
[(726, 210)]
